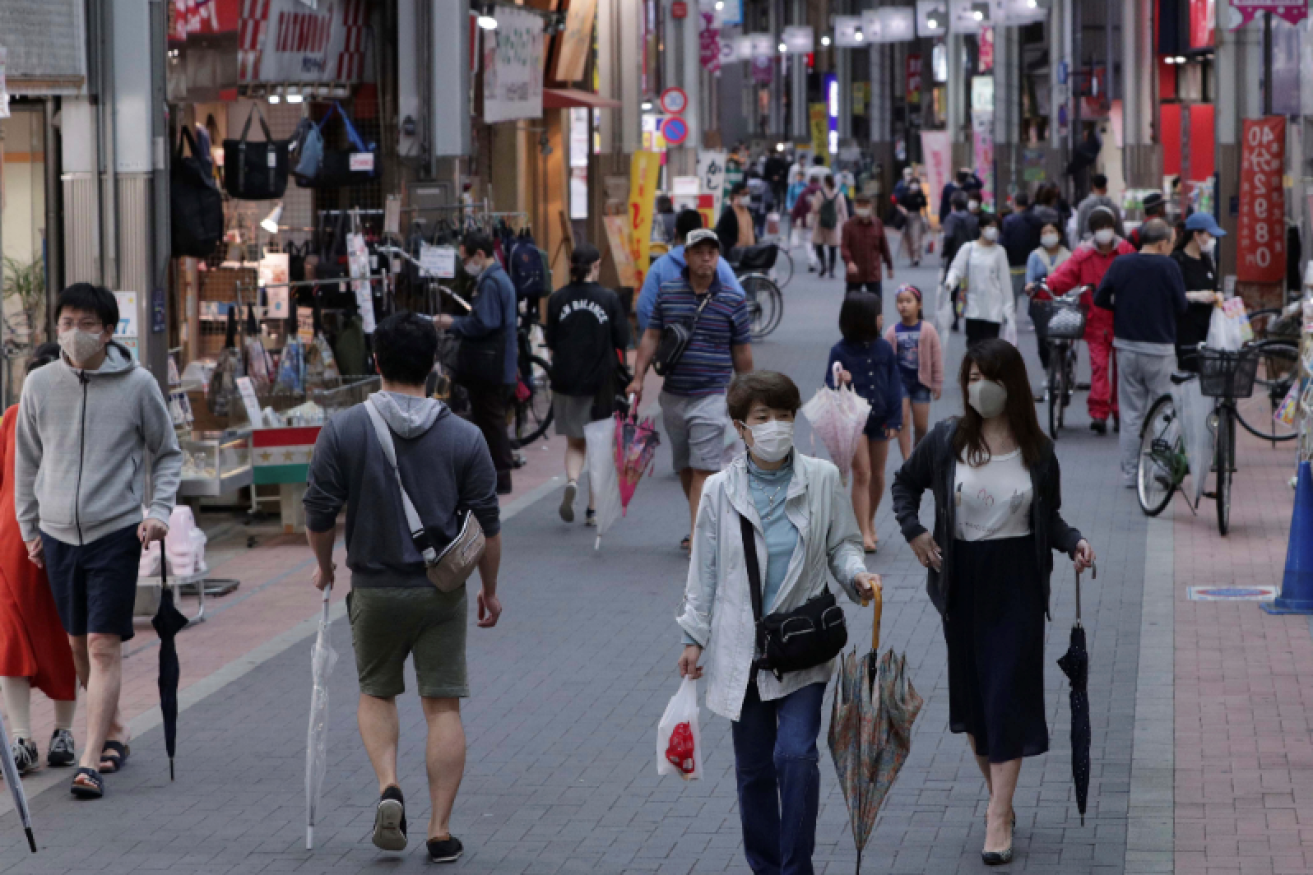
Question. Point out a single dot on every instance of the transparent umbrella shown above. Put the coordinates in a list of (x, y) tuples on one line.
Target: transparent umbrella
[(322, 659), (838, 416), (15, 784)]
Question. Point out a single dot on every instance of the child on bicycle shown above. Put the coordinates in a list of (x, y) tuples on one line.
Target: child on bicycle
[(920, 365), (868, 363)]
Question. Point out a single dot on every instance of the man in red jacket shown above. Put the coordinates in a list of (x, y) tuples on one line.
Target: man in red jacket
[(1086, 267), (864, 247)]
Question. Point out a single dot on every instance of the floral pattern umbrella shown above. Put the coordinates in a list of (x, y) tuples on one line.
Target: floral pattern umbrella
[(635, 446)]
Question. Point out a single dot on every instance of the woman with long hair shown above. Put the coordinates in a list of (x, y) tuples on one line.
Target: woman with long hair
[(998, 497)]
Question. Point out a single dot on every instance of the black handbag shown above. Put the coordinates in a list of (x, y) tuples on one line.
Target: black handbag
[(675, 339), (335, 165), (800, 639), (195, 203), (254, 171)]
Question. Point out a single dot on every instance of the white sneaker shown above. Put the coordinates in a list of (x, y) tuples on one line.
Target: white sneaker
[(25, 755)]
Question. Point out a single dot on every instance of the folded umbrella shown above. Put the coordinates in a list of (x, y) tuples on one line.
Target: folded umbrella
[(15, 783), (168, 622), (838, 416), (322, 659), (1075, 664), (635, 446)]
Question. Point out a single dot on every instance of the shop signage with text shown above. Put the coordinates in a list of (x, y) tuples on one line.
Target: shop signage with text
[(1247, 10), (1261, 246), (286, 41), (644, 175), (513, 67)]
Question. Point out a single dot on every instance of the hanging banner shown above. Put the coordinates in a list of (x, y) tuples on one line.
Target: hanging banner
[(709, 43), (513, 67), (644, 174), (204, 18), (937, 156), (286, 41), (819, 125), (913, 78), (1261, 243), (576, 40), (1244, 11), (982, 130)]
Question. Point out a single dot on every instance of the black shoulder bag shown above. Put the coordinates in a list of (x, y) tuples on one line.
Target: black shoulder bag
[(800, 639), (675, 339)]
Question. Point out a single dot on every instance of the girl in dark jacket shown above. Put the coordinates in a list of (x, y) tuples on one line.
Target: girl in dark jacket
[(997, 490), (868, 362)]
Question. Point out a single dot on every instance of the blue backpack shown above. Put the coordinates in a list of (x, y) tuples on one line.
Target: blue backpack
[(526, 269)]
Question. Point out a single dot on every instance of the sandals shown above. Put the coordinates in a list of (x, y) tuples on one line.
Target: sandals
[(115, 752), (93, 789)]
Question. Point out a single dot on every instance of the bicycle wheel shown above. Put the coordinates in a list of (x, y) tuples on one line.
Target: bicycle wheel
[(1057, 389), (1261, 320), (783, 270), (1278, 371), (534, 414), (1225, 458), (1160, 444), (765, 303)]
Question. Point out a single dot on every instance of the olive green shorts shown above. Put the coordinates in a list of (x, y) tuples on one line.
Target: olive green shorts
[(390, 623)]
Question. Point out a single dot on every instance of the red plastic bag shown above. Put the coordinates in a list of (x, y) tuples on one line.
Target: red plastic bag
[(679, 740)]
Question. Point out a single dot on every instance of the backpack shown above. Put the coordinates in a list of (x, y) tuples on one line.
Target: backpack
[(829, 213), (526, 269)]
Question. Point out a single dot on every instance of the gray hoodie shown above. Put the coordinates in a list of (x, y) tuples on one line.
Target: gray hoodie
[(82, 440), (444, 463)]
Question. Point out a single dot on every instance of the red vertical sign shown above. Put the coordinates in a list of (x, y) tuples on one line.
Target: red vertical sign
[(1261, 246), (913, 77)]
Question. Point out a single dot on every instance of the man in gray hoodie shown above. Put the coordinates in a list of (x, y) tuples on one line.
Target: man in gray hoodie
[(86, 424), (393, 608)]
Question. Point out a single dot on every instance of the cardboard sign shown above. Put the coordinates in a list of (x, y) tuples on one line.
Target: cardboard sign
[(1262, 229)]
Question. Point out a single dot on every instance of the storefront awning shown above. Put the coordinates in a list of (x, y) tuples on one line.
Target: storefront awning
[(569, 98)]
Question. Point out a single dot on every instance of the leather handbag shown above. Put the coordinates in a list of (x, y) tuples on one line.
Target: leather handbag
[(196, 204), (675, 339), (796, 640), (448, 568), (255, 171)]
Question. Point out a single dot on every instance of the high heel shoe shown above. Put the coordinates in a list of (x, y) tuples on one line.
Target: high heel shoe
[(1003, 857)]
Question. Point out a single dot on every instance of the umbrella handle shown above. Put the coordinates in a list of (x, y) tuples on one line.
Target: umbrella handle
[(1095, 576), (878, 600)]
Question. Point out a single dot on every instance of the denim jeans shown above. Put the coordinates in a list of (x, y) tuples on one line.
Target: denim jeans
[(779, 779)]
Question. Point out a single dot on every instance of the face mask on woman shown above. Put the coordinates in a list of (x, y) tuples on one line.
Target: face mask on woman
[(974, 206), (987, 398), (990, 234), (1049, 241), (771, 441), (1207, 243), (1104, 236)]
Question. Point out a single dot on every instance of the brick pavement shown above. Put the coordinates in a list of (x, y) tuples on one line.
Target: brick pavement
[(568, 689)]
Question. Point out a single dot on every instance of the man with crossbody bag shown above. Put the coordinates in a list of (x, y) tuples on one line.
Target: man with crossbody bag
[(698, 336), (421, 497)]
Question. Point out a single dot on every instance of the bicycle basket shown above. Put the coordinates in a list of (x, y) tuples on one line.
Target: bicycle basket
[(757, 257), (1066, 323), (1225, 374)]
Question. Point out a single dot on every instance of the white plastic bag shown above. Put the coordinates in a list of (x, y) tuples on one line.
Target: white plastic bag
[(602, 477), (1223, 332), (1193, 411), (944, 312), (1009, 330), (678, 727)]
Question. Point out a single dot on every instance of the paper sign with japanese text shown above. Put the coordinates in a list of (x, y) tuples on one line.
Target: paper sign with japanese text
[(1261, 239), (644, 175)]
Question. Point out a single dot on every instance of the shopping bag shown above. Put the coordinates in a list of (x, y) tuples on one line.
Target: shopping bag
[(679, 740), (1234, 308), (1223, 331), (1009, 330), (944, 311)]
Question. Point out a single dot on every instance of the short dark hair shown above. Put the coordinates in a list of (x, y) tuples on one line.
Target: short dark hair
[(738, 188), (1100, 218), (858, 317), (90, 299), (963, 176), (405, 348), (958, 200), (686, 222), (771, 388), (1021, 200), (1098, 180), (988, 220), (42, 356), (477, 241)]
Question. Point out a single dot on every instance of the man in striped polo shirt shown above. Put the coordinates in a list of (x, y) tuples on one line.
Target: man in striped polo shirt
[(693, 396)]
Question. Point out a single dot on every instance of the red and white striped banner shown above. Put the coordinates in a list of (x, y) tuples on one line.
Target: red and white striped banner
[(287, 41)]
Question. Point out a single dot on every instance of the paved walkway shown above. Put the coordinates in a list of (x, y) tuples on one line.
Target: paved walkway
[(569, 687)]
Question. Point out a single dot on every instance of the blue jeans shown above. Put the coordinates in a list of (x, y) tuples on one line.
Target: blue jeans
[(779, 779)]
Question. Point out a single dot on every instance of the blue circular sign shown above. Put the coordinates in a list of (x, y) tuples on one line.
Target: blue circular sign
[(675, 130)]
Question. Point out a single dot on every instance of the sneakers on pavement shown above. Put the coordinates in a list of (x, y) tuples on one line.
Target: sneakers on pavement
[(390, 821), (62, 751), (567, 502), (590, 518), (446, 850), (25, 755)]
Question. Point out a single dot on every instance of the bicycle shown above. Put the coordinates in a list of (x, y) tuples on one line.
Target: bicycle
[(764, 299), (1278, 373), (1066, 326), (1163, 461), (532, 413)]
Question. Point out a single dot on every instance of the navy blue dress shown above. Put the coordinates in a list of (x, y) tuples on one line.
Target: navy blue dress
[(874, 367)]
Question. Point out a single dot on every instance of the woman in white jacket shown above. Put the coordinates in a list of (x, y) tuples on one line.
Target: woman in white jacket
[(984, 265), (804, 532)]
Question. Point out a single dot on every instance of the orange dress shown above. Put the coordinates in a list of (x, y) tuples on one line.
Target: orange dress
[(33, 643)]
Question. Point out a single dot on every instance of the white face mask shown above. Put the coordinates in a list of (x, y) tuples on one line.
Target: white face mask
[(862, 212), (990, 234), (80, 346), (473, 268), (1208, 244), (771, 441), (1048, 241), (987, 398), (1104, 236), (974, 206)]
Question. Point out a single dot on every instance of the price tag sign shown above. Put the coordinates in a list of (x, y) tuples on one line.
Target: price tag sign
[(1262, 228), (252, 404), (438, 261), (361, 162)]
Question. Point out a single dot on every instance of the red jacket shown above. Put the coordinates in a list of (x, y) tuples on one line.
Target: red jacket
[(865, 245), (1086, 267)]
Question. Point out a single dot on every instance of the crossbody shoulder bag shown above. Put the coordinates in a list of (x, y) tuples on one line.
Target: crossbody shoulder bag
[(796, 640), (449, 568), (675, 339)]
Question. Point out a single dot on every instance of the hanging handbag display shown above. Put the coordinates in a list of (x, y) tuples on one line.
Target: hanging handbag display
[(448, 568), (795, 640), (195, 203), (335, 168), (255, 171)]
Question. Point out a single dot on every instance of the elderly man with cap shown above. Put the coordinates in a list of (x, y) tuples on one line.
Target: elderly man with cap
[(719, 345), (1155, 207), (1194, 255)]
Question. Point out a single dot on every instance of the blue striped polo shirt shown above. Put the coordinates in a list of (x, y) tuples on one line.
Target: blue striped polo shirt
[(707, 365)]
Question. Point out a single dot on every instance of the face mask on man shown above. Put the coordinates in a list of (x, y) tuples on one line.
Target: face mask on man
[(771, 441), (862, 212), (1104, 236), (79, 345), (1049, 241), (990, 234), (987, 398), (473, 268)]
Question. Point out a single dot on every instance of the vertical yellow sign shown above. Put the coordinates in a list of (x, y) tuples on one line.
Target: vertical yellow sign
[(820, 128), (644, 176)]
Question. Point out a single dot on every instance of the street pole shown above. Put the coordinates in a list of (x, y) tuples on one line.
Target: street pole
[(1267, 63)]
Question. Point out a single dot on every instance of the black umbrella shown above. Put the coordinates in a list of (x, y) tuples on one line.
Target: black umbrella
[(168, 622), (1075, 664)]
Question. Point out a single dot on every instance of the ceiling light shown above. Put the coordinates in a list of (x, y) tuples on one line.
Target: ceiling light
[(647, 106), (931, 23), (825, 40), (294, 96), (274, 98), (1033, 4), (783, 48), (1180, 59), (720, 4), (779, 147), (1169, 60), (858, 35), (487, 22), (979, 16)]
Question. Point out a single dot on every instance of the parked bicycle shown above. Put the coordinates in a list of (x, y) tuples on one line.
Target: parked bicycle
[(764, 298), (532, 414)]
